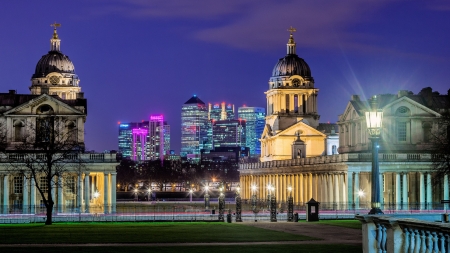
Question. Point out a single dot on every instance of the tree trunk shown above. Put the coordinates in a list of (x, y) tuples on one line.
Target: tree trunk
[(49, 221)]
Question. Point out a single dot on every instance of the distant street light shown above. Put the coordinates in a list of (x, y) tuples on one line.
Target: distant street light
[(206, 197), (190, 193)]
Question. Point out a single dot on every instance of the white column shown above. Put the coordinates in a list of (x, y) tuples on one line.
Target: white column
[(356, 189), (344, 180), (105, 192), (336, 190), (446, 191), (429, 192), (25, 203), (79, 193), (87, 197), (60, 195), (6, 194), (405, 191), (422, 191), (33, 196), (397, 191), (113, 192), (331, 199)]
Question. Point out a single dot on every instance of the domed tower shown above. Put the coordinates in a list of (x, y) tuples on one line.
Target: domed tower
[(55, 73), (291, 96)]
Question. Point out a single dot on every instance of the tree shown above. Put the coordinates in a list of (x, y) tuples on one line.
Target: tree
[(126, 173), (440, 140), (48, 153)]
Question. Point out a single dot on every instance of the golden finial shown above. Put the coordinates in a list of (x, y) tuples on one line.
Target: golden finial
[(292, 30), (55, 35)]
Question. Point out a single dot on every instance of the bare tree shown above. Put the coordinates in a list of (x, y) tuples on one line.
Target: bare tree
[(440, 140), (48, 152)]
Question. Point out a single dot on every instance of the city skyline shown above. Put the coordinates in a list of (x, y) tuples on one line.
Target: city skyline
[(149, 58)]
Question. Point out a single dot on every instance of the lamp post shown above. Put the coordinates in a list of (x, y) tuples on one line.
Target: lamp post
[(221, 204), (290, 214), (374, 120), (273, 204), (254, 201), (149, 191), (238, 205), (206, 198), (190, 195)]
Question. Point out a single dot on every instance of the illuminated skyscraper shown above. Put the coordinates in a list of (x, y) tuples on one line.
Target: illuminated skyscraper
[(158, 138), (255, 122), (220, 111), (126, 137), (228, 133), (194, 128), (139, 144)]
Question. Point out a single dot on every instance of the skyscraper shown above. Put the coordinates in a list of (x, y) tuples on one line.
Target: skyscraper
[(126, 137), (220, 111), (158, 138), (194, 128), (228, 133), (255, 121)]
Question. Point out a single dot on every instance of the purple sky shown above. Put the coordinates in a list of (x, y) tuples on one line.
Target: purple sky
[(142, 57)]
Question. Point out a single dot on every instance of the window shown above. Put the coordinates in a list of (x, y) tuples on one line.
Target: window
[(43, 184), (70, 185), (44, 129), (18, 131), (401, 131), (71, 132), (333, 150), (18, 184), (426, 131)]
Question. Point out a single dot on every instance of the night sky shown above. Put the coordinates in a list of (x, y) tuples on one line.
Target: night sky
[(142, 57)]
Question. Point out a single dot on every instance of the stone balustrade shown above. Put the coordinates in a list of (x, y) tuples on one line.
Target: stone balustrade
[(391, 234), (351, 157), (76, 157)]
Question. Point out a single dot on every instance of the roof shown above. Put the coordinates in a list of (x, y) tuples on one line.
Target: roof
[(194, 100)]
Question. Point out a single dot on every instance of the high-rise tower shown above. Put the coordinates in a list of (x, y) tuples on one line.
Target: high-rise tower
[(194, 128), (255, 121)]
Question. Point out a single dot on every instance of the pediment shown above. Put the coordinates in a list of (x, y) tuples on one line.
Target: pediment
[(417, 109), (30, 107), (267, 132)]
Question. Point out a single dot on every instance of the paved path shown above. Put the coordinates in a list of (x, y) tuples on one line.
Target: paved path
[(328, 235)]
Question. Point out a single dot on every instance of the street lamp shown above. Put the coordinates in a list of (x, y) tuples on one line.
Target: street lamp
[(374, 120), (290, 214), (190, 193), (206, 198), (238, 205), (149, 191), (273, 204), (136, 193)]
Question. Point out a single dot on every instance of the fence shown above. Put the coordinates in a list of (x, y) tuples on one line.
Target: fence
[(195, 210), (393, 234)]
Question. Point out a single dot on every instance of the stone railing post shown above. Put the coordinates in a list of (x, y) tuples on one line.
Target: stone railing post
[(369, 230)]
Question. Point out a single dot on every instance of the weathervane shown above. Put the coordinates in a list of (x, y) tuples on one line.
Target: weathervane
[(55, 25), (292, 30)]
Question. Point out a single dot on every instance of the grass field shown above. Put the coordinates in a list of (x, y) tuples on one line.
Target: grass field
[(286, 248), (128, 232)]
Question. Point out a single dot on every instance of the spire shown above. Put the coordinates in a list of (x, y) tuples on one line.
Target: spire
[(291, 43), (55, 42)]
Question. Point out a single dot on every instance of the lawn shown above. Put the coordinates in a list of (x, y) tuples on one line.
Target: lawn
[(356, 224), (287, 248), (128, 232)]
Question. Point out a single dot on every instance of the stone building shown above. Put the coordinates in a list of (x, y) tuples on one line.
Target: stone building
[(55, 99), (297, 153)]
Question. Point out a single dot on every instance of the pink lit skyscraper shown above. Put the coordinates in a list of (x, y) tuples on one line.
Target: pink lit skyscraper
[(139, 144), (158, 138)]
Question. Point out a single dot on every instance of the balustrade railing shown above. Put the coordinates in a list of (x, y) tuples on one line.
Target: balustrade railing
[(390, 234), (84, 157), (355, 157)]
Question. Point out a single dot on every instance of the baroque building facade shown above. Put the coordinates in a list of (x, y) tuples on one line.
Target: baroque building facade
[(55, 99), (335, 166)]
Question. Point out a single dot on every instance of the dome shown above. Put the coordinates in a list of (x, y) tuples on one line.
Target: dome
[(54, 61), (290, 65)]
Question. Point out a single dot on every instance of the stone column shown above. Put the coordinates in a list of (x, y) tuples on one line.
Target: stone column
[(337, 190), (105, 192), (429, 192), (113, 192), (32, 196), (60, 195), (331, 198), (446, 195), (6, 194), (87, 192), (397, 191), (382, 183), (405, 191), (344, 180), (25, 203), (422, 191), (310, 186), (356, 189), (305, 187), (351, 191)]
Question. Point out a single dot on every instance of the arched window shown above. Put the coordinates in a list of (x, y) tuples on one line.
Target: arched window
[(19, 131), (71, 131), (426, 126)]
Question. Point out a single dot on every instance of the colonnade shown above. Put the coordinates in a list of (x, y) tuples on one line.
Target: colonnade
[(87, 192), (323, 187), (284, 102)]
